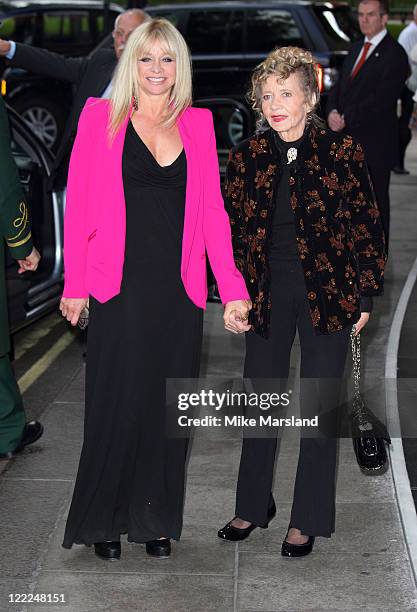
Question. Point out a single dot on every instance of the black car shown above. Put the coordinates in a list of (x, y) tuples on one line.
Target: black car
[(33, 294), (228, 39), (70, 27)]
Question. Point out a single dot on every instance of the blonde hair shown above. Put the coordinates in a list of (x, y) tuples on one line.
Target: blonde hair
[(281, 63), (125, 82)]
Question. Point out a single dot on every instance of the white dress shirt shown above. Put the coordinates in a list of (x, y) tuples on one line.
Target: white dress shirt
[(107, 92), (375, 40), (12, 50)]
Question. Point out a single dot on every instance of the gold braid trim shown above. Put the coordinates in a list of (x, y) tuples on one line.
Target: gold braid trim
[(20, 222), (17, 244)]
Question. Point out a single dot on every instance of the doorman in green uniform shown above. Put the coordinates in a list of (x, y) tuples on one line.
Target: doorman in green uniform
[(15, 432)]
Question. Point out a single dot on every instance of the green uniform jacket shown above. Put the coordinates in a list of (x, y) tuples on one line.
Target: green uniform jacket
[(14, 220)]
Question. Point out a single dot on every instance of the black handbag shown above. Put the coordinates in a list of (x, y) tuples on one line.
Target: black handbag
[(369, 435), (84, 317)]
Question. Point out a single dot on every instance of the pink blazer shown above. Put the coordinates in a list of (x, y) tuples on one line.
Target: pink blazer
[(95, 216)]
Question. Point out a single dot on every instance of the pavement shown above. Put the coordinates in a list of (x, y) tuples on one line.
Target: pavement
[(366, 565)]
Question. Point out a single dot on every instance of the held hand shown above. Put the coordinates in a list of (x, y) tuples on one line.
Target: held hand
[(236, 315), (71, 308), (30, 263), (4, 47), (364, 318), (336, 121)]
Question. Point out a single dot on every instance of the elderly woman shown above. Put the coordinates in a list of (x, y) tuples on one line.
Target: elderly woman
[(143, 205), (309, 242)]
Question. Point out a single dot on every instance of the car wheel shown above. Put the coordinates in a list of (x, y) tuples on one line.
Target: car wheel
[(44, 117), (235, 127)]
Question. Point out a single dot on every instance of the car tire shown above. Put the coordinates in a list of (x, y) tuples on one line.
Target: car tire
[(235, 127), (44, 117)]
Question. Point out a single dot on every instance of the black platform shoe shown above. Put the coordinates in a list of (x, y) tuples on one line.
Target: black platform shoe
[(297, 550), (159, 548), (234, 534), (110, 551)]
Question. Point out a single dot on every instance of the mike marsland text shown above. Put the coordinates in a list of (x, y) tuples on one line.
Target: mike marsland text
[(241, 421)]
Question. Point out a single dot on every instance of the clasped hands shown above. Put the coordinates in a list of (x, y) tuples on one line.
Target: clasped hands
[(235, 316), (336, 121)]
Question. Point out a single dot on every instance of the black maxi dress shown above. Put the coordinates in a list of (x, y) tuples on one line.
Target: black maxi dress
[(131, 475)]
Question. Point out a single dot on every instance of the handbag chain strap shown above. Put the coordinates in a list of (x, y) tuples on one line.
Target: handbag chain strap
[(359, 412), (356, 356)]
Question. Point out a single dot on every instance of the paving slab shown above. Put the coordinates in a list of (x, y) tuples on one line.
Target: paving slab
[(99, 592), (353, 581)]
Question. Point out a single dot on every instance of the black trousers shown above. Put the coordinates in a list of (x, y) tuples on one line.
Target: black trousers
[(381, 175), (404, 132), (322, 357)]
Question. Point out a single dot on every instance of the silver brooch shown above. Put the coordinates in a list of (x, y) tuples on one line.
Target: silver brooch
[(291, 155)]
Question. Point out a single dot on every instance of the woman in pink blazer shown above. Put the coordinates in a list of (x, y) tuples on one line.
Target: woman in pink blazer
[(143, 206)]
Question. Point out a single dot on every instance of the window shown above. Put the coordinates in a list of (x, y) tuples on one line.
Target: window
[(172, 17), (213, 32), (234, 44), (339, 24), (20, 29), (98, 23), (267, 29), (66, 29)]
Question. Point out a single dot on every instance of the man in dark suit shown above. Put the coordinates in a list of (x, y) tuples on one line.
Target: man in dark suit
[(15, 432), (364, 100), (90, 75)]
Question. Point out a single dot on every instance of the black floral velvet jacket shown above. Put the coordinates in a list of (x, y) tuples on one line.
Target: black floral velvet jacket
[(339, 234)]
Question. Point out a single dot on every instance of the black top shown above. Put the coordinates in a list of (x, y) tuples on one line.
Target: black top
[(155, 204), (283, 244)]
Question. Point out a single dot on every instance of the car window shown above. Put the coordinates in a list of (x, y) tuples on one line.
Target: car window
[(214, 32), (271, 28), (173, 17), (21, 28), (339, 25), (234, 42), (67, 33)]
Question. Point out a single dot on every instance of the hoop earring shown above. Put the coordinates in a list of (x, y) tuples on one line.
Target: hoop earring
[(135, 103)]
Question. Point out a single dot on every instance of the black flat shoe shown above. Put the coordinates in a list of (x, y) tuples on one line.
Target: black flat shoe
[(297, 550), (400, 170), (31, 432), (235, 534), (159, 548), (110, 551)]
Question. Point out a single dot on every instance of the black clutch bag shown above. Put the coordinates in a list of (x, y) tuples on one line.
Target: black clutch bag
[(369, 435), (83, 319)]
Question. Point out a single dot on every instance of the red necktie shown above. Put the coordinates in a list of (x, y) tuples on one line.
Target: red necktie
[(362, 59)]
